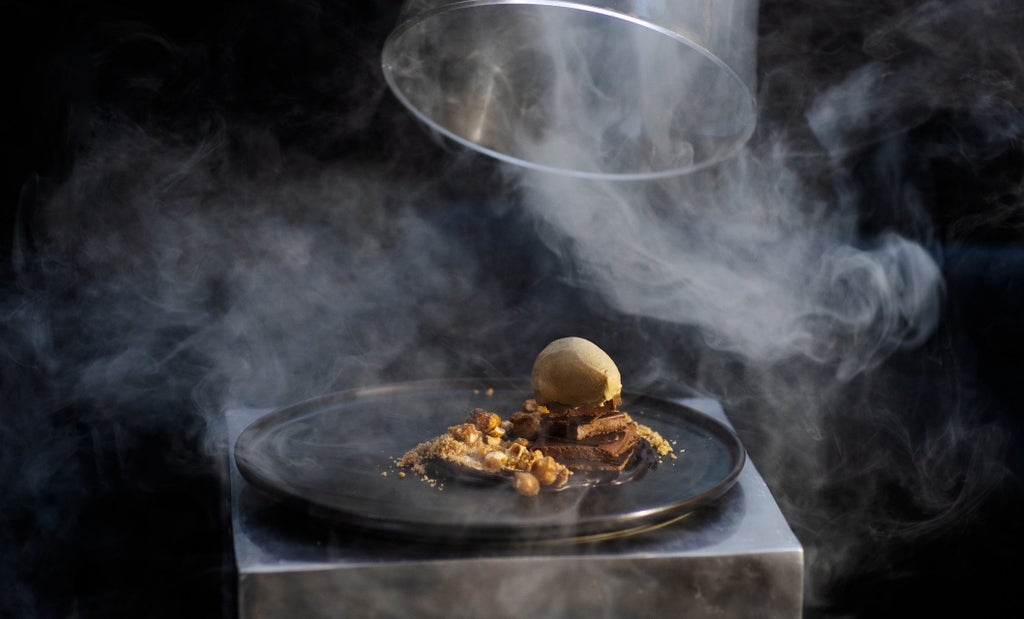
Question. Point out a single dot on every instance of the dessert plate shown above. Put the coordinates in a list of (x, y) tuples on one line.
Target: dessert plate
[(335, 455)]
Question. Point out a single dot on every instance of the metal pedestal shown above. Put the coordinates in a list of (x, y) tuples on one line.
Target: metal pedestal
[(735, 558)]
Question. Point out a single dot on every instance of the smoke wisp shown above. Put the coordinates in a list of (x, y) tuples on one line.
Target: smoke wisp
[(786, 263), (236, 213)]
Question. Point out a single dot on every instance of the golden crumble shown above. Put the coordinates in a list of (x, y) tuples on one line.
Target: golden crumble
[(663, 447)]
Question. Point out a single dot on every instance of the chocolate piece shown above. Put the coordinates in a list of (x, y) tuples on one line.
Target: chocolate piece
[(585, 461), (577, 429), (612, 449), (589, 410), (525, 425), (594, 439)]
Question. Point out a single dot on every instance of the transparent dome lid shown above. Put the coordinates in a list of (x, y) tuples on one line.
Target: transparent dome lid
[(620, 90)]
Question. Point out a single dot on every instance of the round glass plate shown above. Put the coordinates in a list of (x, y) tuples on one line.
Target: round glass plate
[(336, 454)]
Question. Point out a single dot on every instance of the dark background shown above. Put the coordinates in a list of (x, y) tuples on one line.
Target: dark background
[(131, 519)]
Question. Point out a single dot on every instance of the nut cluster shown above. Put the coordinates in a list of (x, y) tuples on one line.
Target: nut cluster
[(544, 471), (479, 442)]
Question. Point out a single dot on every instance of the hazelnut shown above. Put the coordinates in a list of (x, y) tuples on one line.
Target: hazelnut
[(483, 420), (517, 451), (466, 432), (546, 470), (525, 484), (494, 461)]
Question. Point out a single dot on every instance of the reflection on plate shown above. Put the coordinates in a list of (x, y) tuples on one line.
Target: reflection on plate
[(331, 453)]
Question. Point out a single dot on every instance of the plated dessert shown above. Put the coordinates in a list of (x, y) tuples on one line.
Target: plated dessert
[(571, 433)]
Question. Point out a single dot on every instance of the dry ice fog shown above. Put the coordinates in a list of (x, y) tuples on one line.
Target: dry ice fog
[(233, 210)]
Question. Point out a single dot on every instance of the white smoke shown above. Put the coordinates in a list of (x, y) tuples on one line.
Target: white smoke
[(230, 268), (807, 289), (744, 259)]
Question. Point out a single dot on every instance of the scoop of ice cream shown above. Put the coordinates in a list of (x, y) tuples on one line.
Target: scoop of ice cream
[(576, 372)]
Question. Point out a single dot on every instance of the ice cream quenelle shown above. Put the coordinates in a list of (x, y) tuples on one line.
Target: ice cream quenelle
[(575, 372)]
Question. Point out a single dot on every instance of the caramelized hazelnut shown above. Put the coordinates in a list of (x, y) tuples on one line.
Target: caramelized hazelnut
[(484, 421), (466, 432), (494, 461), (546, 470), (525, 425), (516, 451), (525, 484)]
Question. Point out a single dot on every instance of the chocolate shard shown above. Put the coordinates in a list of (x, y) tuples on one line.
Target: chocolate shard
[(590, 410), (575, 429), (610, 449), (525, 424)]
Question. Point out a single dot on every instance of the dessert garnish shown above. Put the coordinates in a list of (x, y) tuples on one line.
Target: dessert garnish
[(571, 433)]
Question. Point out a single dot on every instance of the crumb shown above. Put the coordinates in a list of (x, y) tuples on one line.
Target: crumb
[(383, 473), (401, 474), (490, 391), (660, 444)]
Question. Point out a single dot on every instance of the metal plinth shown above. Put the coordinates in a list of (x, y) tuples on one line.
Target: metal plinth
[(735, 558)]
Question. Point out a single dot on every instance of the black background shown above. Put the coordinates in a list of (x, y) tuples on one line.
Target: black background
[(118, 528)]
